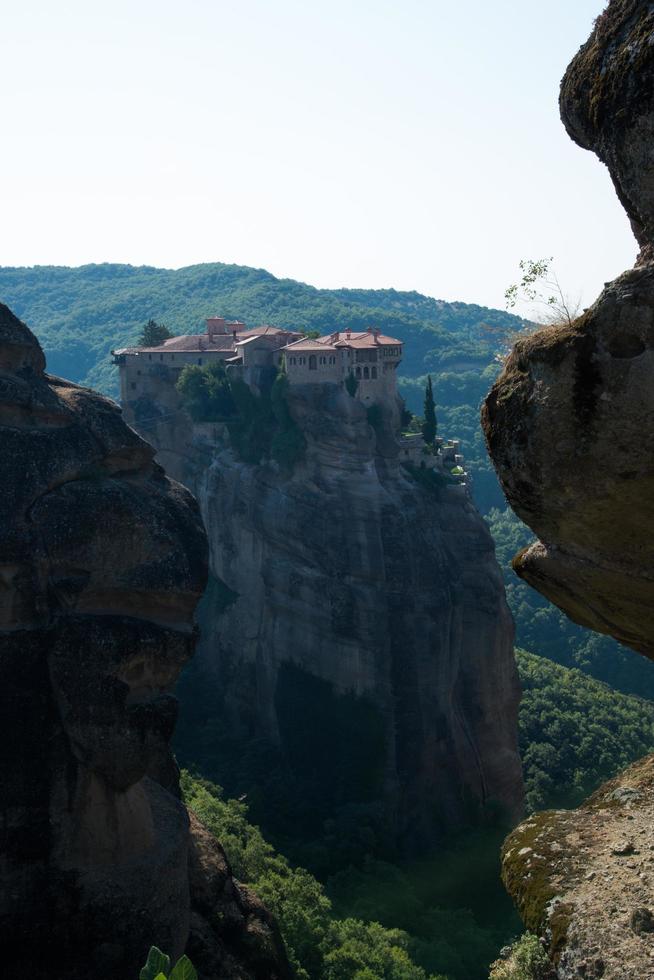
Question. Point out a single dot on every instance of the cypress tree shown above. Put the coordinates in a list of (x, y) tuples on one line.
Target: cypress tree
[(154, 334), (429, 425)]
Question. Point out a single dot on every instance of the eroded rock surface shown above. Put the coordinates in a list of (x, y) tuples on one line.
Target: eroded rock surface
[(363, 614), (607, 106), (570, 422), (584, 879), (102, 561), (570, 428)]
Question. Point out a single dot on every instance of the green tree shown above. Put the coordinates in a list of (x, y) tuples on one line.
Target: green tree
[(429, 426), (153, 334), (351, 384), (206, 392), (319, 945)]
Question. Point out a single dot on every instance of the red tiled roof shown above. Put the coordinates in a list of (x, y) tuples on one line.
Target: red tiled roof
[(267, 331), (308, 344), (358, 339), (210, 342), (191, 342)]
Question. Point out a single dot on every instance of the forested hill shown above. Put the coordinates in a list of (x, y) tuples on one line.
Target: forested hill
[(80, 313)]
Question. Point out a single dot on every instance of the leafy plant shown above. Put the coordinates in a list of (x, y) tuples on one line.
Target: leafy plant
[(157, 967)]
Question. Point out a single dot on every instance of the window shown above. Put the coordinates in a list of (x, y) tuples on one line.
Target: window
[(358, 372), (313, 362), (373, 372), (366, 372)]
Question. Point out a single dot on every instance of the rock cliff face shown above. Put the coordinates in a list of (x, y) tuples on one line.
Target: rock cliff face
[(364, 628), (102, 561), (569, 425)]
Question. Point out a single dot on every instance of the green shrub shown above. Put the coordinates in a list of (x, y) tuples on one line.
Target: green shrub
[(526, 960)]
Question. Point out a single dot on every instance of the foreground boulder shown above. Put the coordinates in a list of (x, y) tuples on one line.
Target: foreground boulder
[(102, 561), (569, 425), (569, 421)]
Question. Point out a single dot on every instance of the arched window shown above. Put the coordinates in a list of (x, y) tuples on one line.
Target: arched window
[(374, 371), (358, 372), (313, 364), (366, 372)]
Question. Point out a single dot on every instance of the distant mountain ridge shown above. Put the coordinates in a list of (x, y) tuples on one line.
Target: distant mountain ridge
[(80, 313)]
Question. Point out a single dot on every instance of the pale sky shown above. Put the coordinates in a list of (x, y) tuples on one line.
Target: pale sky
[(369, 143)]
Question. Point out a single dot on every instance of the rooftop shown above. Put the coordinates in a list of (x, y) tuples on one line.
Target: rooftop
[(209, 342), (359, 338), (308, 344)]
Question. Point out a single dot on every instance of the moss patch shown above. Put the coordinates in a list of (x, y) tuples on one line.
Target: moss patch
[(534, 868)]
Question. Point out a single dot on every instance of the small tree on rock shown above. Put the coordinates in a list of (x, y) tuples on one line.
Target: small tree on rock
[(429, 425), (351, 384), (154, 334)]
